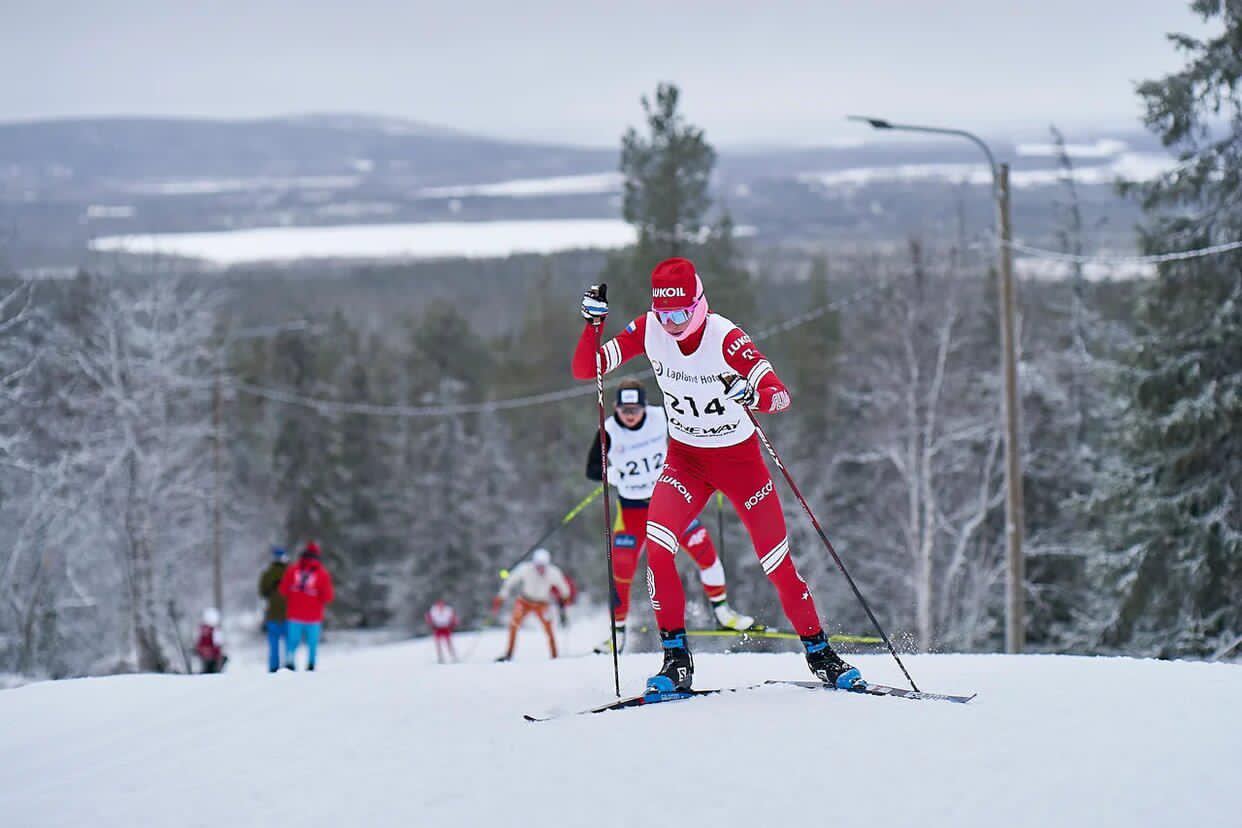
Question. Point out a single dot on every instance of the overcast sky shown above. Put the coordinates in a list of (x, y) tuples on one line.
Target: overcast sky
[(567, 70)]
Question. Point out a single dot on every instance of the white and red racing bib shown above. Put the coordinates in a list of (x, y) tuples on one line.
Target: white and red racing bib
[(694, 401)]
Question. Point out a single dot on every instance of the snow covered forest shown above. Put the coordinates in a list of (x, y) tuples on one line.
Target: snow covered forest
[(419, 420)]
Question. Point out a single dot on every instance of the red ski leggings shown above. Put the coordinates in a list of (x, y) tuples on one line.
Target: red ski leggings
[(444, 639), (627, 545), (689, 478)]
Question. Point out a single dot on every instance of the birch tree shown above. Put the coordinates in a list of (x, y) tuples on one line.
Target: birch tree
[(140, 419), (929, 458)]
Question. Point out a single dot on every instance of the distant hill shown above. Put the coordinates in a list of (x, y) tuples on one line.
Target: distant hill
[(100, 149), (66, 182)]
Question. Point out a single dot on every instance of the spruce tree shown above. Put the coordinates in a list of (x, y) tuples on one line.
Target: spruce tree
[(813, 357), (1170, 522), (668, 171), (667, 177)]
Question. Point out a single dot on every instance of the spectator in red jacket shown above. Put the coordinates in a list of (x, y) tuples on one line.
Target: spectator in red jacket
[(210, 643), (307, 588), (443, 620)]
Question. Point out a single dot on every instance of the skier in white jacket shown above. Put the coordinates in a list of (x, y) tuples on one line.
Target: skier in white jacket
[(537, 582)]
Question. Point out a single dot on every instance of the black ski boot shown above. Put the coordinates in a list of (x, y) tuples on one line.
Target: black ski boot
[(828, 666), (677, 674)]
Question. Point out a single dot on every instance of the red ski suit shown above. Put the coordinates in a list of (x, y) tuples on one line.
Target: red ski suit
[(307, 588), (443, 620), (630, 538), (693, 472)]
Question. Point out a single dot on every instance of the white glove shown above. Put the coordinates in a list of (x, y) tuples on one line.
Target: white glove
[(595, 303), (739, 390)]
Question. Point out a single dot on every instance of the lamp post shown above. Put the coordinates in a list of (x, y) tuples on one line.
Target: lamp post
[(1015, 613)]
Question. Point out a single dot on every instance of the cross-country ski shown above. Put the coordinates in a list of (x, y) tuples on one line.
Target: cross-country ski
[(647, 699)]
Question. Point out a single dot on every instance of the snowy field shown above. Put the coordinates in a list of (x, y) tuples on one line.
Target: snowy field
[(1134, 166), (591, 184), (383, 736), (420, 240)]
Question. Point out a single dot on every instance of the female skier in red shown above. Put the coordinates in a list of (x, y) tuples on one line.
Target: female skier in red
[(712, 446)]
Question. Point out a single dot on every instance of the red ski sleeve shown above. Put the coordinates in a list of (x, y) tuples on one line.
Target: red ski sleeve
[(744, 357), (286, 581), (328, 592), (614, 353)]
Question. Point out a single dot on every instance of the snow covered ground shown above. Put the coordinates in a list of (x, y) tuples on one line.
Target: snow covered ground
[(384, 736), (421, 240), (590, 184), (1135, 166)]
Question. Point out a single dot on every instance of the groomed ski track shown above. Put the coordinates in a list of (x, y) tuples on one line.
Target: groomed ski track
[(383, 736)]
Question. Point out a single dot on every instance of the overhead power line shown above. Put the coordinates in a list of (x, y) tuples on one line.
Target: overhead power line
[(1056, 255), (379, 410)]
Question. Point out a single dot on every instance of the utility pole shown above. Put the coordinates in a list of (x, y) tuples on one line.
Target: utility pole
[(217, 426), (1015, 595)]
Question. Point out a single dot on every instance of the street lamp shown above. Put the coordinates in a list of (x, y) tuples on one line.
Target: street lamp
[(1015, 625)]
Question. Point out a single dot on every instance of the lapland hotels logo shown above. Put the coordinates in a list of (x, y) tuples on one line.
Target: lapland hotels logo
[(682, 376)]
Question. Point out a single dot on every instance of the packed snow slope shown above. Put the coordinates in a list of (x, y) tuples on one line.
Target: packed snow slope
[(384, 736)]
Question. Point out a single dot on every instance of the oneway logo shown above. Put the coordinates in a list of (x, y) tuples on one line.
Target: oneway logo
[(754, 500), (666, 293)]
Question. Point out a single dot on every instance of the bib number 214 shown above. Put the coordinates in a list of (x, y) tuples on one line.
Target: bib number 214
[(687, 405)]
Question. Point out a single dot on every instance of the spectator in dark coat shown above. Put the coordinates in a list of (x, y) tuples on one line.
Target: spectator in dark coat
[(274, 616)]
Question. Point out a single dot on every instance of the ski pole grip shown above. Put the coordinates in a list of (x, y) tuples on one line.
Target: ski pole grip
[(601, 291)]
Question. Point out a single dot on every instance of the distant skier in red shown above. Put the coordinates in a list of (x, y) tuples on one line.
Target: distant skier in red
[(210, 643), (712, 446), (442, 619)]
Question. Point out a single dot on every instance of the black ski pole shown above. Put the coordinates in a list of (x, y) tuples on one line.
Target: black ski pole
[(720, 524), (603, 461), (827, 543), (554, 528)]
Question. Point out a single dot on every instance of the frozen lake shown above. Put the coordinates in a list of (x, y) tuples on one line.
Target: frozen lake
[(423, 240)]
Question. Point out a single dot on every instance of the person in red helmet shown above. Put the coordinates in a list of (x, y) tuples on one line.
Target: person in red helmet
[(708, 369), (307, 588)]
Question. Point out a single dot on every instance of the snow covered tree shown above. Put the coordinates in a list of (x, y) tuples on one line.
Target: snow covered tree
[(668, 175), (816, 347), (667, 178), (307, 447), (138, 430), (925, 470), (1171, 521)]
